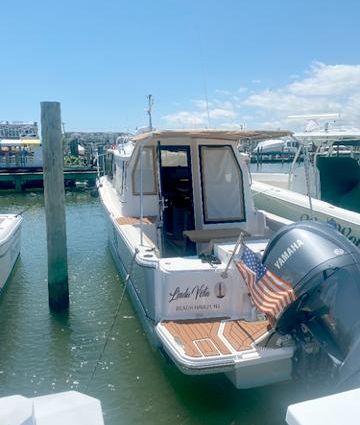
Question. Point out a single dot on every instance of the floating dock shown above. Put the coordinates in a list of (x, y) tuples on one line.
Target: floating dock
[(21, 179), (70, 408), (272, 157)]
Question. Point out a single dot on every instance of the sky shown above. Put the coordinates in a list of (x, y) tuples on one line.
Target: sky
[(207, 63)]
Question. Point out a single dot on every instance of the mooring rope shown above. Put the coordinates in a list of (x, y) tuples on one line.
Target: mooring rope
[(24, 210), (127, 278)]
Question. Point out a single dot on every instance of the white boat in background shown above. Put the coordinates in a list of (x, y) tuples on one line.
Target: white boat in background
[(276, 148), (179, 205), (10, 235), (295, 206), (329, 184)]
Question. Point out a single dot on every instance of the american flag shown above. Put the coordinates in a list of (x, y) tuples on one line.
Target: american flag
[(269, 293)]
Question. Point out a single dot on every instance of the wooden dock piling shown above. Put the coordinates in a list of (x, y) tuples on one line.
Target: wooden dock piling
[(54, 194)]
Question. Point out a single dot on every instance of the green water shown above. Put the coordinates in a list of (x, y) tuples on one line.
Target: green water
[(41, 352)]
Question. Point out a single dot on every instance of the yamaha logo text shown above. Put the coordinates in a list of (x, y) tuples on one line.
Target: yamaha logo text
[(288, 253)]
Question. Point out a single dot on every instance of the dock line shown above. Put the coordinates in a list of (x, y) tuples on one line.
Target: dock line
[(127, 278), (22, 211)]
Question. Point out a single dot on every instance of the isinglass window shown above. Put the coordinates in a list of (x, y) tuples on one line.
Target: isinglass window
[(222, 185), (148, 173)]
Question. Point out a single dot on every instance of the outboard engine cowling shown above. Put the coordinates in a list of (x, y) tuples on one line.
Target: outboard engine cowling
[(323, 268)]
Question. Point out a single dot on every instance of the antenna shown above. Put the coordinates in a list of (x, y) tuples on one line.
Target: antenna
[(150, 99), (207, 103), (335, 116)]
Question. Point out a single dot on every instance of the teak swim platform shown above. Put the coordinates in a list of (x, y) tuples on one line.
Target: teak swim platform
[(207, 338)]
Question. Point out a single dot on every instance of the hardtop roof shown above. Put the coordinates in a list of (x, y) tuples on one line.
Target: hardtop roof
[(333, 136), (229, 135)]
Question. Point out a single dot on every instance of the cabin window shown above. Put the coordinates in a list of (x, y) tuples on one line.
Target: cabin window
[(171, 158), (222, 185), (149, 180)]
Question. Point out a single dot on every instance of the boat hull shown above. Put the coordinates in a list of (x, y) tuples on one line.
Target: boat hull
[(137, 279), (295, 207), (10, 242), (244, 371)]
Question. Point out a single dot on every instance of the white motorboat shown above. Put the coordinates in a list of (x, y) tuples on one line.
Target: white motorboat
[(179, 205), (331, 179), (296, 206), (274, 149), (10, 233)]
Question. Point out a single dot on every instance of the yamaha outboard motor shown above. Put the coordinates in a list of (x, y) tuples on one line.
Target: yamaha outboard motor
[(323, 268)]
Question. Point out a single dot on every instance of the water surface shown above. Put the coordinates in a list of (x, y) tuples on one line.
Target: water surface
[(43, 352)]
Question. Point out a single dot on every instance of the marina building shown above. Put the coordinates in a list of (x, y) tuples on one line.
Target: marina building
[(18, 129)]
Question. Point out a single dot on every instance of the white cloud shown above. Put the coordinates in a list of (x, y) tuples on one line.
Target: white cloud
[(227, 104), (222, 113), (185, 119), (321, 89), (328, 80), (286, 103), (324, 89), (232, 125), (273, 125), (202, 112)]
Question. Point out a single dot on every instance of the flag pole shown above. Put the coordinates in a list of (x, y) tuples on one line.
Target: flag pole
[(224, 274)]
